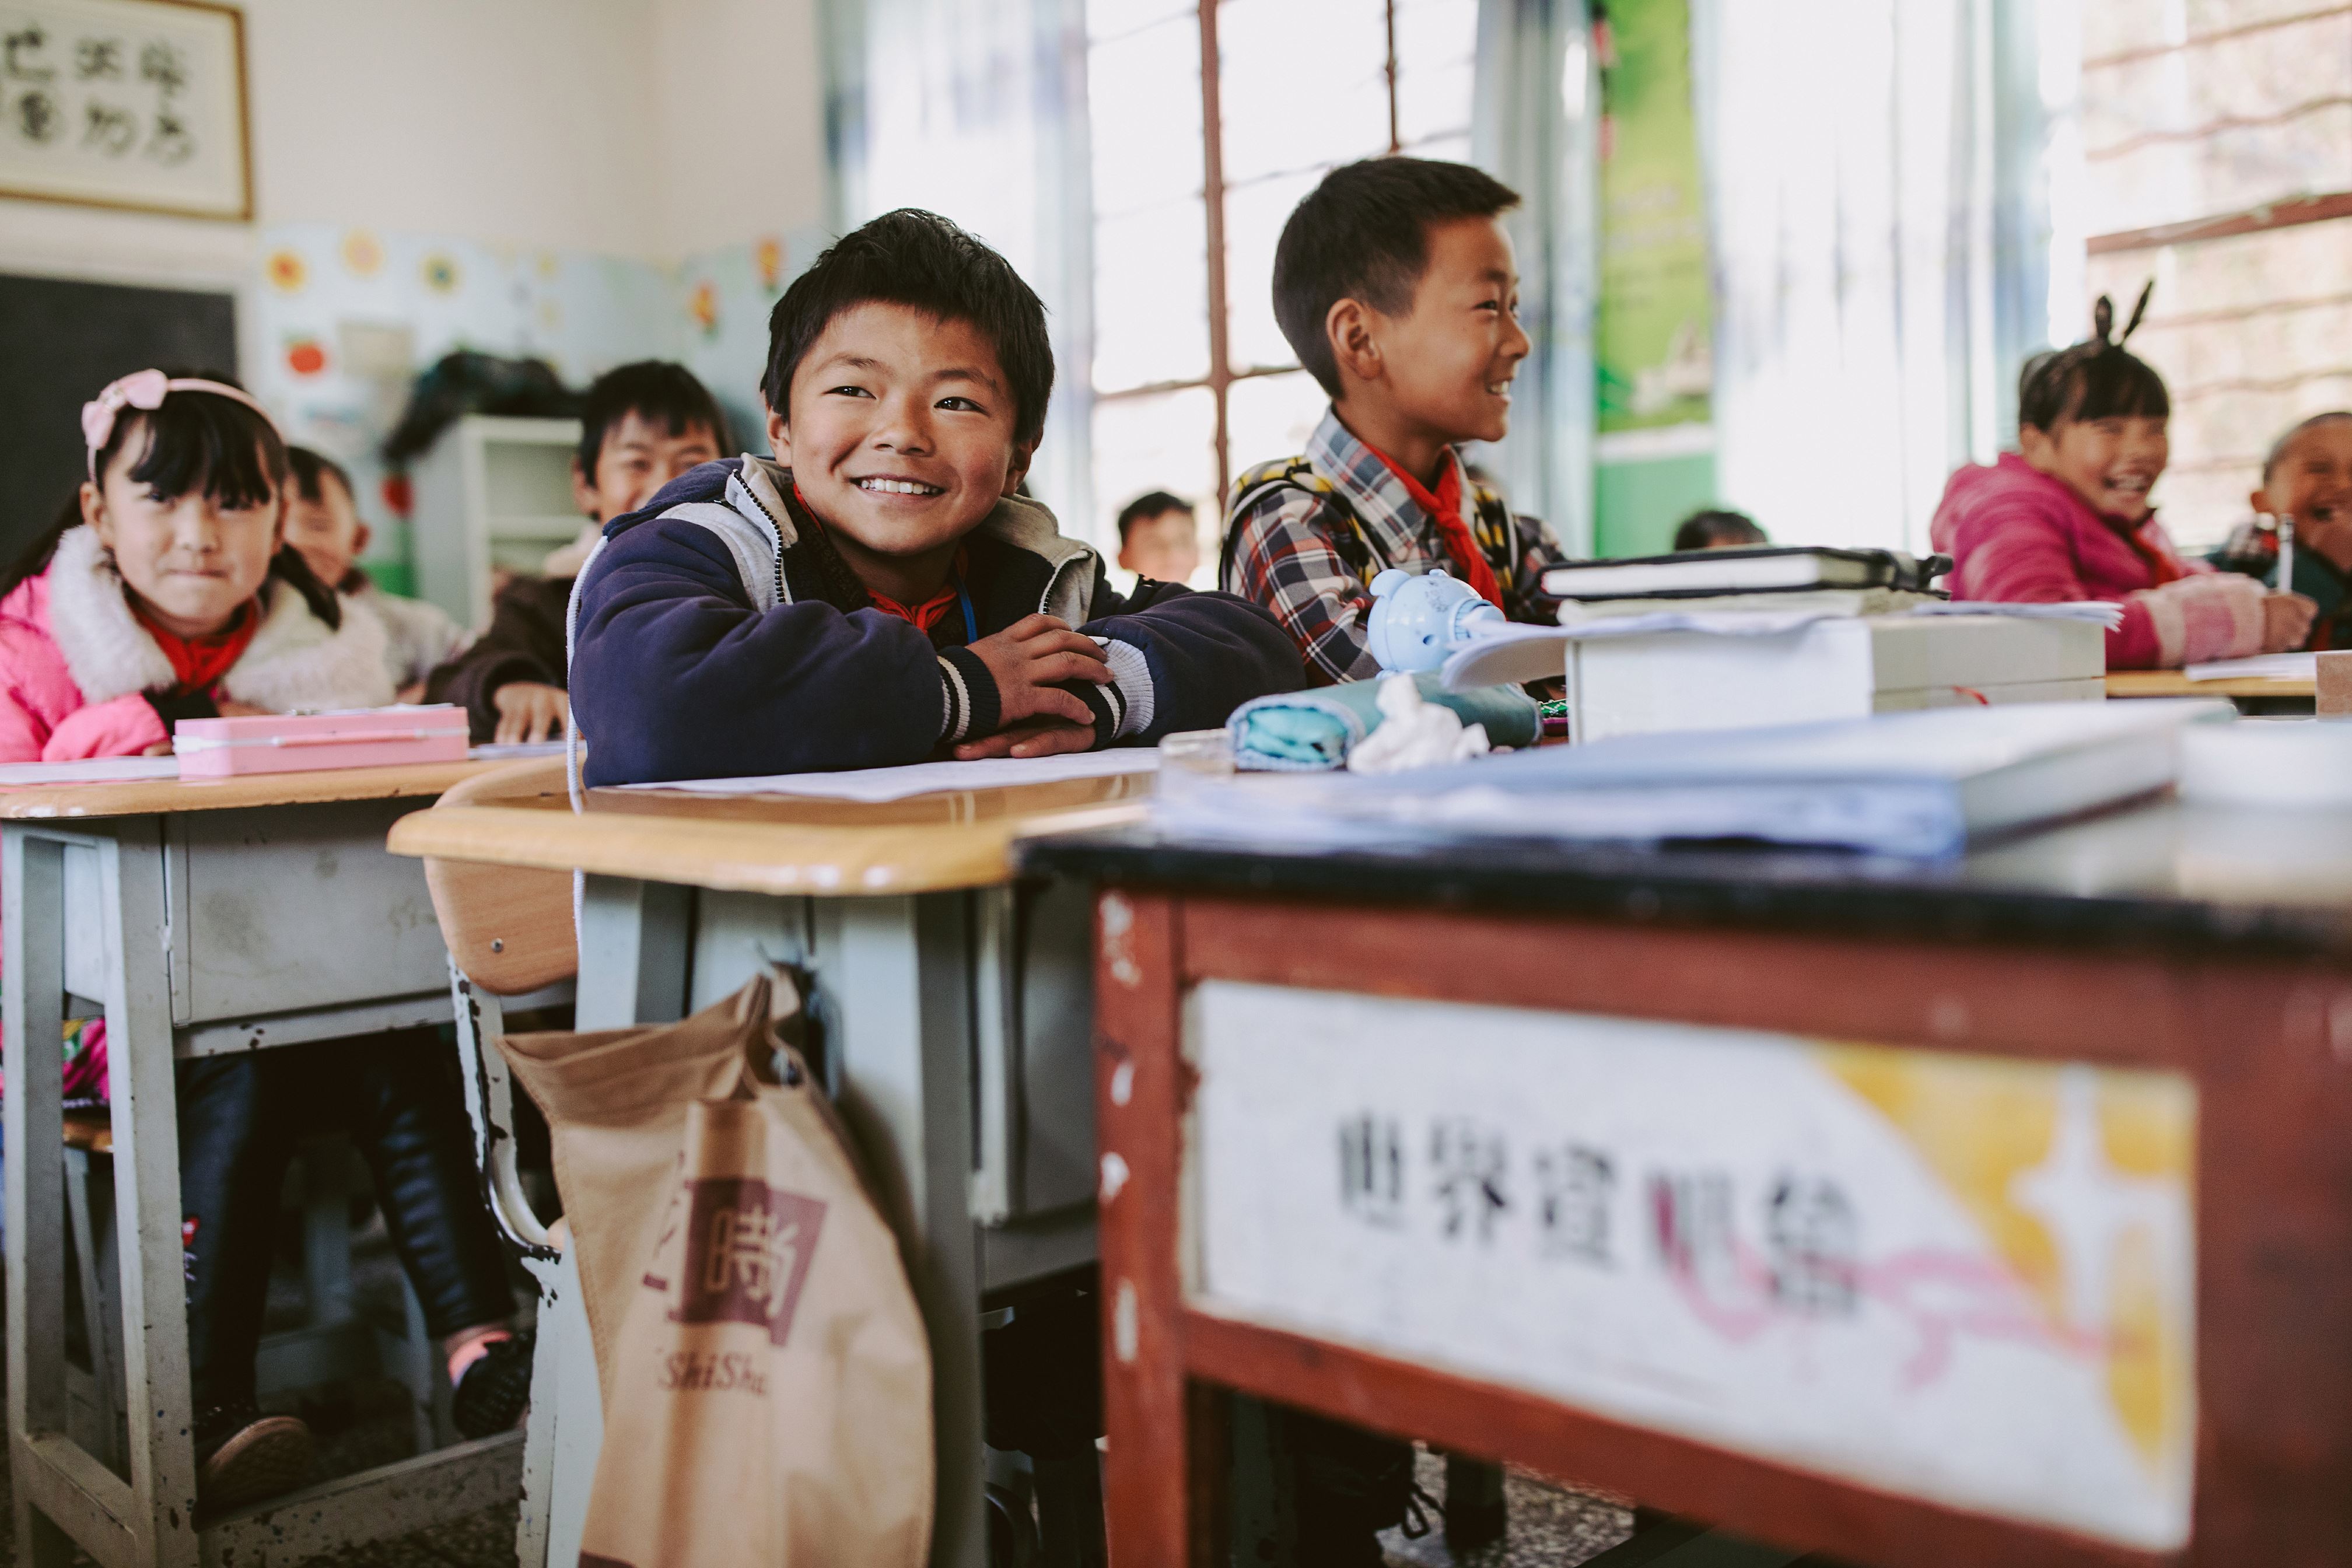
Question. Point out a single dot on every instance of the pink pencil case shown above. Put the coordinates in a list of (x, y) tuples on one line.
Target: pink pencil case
[(303, 742)]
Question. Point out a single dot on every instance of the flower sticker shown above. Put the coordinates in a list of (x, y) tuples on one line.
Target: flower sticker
[(287, 271), (441, 274), (305, 357), (703, 306), (363, 254), (768, 256)]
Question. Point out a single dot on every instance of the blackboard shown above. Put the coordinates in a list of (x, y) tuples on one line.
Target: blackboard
[(62, 341)]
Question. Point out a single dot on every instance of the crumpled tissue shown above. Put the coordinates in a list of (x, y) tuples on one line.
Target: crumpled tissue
[(1414, 733)]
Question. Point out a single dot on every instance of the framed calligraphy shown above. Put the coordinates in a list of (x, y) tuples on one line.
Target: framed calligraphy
[(133, 104)]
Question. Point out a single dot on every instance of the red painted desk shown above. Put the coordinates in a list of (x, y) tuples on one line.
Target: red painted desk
[(1930, 1216)]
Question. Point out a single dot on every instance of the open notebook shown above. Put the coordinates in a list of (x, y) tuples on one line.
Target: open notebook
[(1921, 783)]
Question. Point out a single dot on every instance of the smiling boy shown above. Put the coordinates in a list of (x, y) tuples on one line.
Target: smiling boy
[(641, 426), (2306, 476), (878, 593), (1398, 289)]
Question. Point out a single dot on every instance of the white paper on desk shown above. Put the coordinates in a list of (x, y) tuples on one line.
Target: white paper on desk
[(874, 785), (514, 752), (2264, 667), (1513, 653), (96, 770)]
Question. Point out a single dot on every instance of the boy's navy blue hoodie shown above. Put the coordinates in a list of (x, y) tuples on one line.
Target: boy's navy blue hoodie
[(717, 633)]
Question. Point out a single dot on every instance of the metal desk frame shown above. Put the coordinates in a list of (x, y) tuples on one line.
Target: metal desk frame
[(112, 910)]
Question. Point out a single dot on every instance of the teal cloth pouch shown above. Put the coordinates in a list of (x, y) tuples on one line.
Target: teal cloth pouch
[(1312, 731)]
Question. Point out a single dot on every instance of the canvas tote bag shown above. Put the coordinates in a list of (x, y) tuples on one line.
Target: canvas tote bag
[(765, 1374)]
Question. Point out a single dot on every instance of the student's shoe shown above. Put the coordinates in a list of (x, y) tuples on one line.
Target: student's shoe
[(496, 1390), (243, 1455)]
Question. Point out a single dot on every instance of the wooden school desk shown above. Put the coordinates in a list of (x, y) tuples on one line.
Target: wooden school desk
[(205, 918), (2253, 695), (1928, 1215), (955, 1012)]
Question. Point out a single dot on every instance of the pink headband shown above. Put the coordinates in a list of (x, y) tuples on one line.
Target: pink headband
[(145, 390)]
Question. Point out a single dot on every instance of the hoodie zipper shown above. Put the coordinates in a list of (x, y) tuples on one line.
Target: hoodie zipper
[(775, 540)]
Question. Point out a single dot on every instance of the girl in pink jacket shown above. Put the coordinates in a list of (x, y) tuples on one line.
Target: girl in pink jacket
[(2067, 516), (165, 591)]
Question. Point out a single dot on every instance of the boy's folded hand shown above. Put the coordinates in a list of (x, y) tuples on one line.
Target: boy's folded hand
[(1028, 660), (1038, 738)]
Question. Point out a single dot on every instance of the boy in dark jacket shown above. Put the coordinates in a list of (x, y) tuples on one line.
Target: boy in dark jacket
[(641, 426), (878, 593)]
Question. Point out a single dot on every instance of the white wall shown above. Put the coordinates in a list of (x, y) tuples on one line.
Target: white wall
[(742, 128), (644, 128)]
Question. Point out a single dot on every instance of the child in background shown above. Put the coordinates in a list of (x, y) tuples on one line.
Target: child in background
[(1717, 529), (1397, 288), (641, 426), (2068, 517), (2307, 477), (878, 593), (168, 592), (1159, 538), (322, 521)]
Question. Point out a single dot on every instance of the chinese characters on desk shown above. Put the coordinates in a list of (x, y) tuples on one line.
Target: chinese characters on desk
[(1564, 1201), (1955, 1277), (123, 102)]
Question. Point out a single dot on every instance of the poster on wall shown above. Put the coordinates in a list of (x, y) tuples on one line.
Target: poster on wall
[(1653, 338), (135, 104)]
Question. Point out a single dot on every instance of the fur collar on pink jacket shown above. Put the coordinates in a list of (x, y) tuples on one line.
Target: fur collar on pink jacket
[(76, 666)]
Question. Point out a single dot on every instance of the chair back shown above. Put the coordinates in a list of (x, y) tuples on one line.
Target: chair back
[(507, 928)]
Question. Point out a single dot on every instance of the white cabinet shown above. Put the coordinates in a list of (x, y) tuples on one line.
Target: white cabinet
[(493, 491)]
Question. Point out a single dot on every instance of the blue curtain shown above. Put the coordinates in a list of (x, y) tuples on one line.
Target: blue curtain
[(976, 109), (1535, 128)]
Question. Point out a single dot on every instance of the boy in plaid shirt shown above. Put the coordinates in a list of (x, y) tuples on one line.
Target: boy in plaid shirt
[(1398, 288)]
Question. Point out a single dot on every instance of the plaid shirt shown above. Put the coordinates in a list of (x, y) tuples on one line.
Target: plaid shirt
[(1284, 556)]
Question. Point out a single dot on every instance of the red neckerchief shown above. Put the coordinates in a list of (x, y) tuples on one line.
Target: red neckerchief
[(1444, 508), (199, 663), (922, 616)]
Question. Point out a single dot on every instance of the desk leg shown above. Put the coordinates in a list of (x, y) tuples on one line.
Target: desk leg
[(899, 974), (32, 915), (1165, 1467), (147, 1192), (635, 939)]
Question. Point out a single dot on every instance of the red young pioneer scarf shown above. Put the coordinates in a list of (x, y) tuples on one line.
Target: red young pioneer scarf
[(199, 663), (1444, 508), (922, 616)]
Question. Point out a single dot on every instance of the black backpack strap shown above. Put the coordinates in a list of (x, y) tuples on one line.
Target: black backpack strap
[(1353, 545)]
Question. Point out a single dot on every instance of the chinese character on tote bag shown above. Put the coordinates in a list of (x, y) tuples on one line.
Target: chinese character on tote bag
[(766, 1380)]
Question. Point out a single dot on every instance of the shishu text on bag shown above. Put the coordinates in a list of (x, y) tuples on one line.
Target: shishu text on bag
[(766, 1380)]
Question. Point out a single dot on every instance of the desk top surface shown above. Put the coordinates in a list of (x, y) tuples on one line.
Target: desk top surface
[(775, 844), (2191, 879), (2176, 683), (145, 797)]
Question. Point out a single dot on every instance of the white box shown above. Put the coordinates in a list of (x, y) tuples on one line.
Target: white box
[(1839, 668)]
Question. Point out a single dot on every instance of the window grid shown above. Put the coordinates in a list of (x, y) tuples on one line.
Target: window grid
[(1222, 376)]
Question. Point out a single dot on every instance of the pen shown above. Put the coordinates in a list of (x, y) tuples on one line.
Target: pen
[(2286, 554)]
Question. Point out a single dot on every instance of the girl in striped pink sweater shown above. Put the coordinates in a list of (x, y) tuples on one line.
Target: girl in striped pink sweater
[(2067, 516)]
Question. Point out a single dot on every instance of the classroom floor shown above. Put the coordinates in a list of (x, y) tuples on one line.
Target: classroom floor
[(1548, 1525), (368, 1424)]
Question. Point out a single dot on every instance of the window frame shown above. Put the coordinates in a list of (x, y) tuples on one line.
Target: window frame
[(1222, 376)]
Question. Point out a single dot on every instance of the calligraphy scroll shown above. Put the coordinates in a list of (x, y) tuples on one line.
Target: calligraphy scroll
[(125, 103)]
